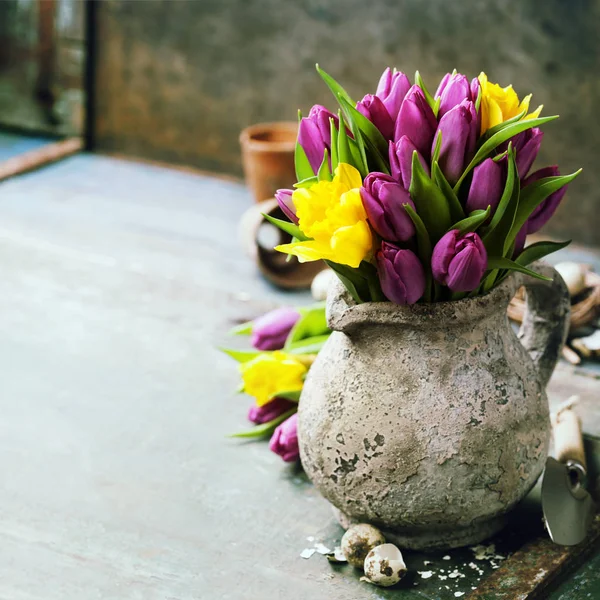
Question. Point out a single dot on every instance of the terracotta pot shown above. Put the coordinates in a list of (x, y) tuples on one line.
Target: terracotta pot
[(268, 157), (431, 421), (259, 237)]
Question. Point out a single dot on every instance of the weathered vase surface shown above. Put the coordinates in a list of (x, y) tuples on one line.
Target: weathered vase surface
[(431, 421)]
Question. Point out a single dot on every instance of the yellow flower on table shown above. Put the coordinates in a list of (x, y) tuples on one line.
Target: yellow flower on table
[(500, 104), (272, 373), (332, 214)]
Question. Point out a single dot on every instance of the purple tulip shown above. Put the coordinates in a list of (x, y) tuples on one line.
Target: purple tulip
[(270, 331), (417, 121), (392, 88), (527, 145), (453, 89), (271, 410), (374, 109), (542, 214), (284, 440), (314, 134), (489, 179), (459, 135), (401, 274), (401, 153), (459, 261), (475, 87), (383, 198), (286, 204)]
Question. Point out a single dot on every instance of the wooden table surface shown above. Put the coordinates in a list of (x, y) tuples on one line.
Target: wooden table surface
[(118, 281)]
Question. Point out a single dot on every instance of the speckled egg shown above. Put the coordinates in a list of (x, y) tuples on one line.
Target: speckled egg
[(384, 565), (358, 541)]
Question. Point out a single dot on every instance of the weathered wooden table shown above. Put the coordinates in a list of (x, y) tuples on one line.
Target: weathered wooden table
[(118, 281)]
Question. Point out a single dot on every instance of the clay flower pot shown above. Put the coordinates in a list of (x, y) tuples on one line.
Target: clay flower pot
[(268, 157), (431, 421)]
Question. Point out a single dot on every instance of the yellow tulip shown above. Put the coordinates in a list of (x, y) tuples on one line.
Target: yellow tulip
[(332, 214), (272, 373), (500, 104)]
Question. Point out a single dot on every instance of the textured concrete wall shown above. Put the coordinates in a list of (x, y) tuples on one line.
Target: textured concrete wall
[(178, 80)]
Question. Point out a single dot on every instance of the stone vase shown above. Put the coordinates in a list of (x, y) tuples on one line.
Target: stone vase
[(431, 421)]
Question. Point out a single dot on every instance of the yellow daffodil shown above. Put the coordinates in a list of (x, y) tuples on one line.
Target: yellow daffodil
[(272, 373), (500, 104), (332, 214)]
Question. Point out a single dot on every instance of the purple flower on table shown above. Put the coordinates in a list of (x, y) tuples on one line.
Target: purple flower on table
[(314, 134), (269, 411), (417, 121), (489, 179), (401, 274), (459, 135), (374, 109), (542, 214), (284, 440), (453, 89), (393, 87), (286, 204), (270, 331), (459, 261), (384, 198), (400, 154)]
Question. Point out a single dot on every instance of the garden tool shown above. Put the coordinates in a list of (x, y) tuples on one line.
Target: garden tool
[(567, 505)]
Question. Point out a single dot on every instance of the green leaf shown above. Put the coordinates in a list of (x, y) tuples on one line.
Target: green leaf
[(311, 345), (511, 265), (430, 202), (365, 126), (456, 210), (499, 138), (361, 164), (306, 183), (438, 147), (344, 153), (539, 250), (241, 356), (534, 194), (496, 237), (496, 128), (312, 322), (334, 144), (242, 329), (324, 173), (286, 226), (424, 249), (336, 89), (353, 281), (266, 428), (303, 168), (375, 160), (478, 100), (433, 103), (473, 221), (292, 396)]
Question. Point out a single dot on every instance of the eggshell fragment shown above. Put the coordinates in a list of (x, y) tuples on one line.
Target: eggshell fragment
[(384, 565)]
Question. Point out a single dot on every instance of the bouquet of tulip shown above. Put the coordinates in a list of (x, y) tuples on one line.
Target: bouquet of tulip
[(285, 341), (414, 197)]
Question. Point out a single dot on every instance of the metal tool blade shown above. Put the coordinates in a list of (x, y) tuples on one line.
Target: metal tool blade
[(567, 505)]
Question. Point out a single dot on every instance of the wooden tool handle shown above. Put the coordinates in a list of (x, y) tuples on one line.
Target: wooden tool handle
[(568, 441)]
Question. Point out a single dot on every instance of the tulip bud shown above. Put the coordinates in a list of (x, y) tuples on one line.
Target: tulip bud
[(383, 198), (269, 411), (400, 154), (459, 135), (374, 109), (314, 134), (542, 214), (459, 262), (417, 121), (392, 88), (286, 204), (452, 91), (284, 440), (489, 179), (527, 145), (270, 331), (401, 274)]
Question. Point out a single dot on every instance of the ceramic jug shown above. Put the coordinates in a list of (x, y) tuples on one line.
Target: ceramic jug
[(431, 421)]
